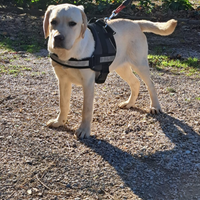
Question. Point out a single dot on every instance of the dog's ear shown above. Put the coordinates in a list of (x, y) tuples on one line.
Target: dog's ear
[(46, 21), (84, 25)]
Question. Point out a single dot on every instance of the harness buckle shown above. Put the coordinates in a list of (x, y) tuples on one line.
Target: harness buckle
[(106, 19)]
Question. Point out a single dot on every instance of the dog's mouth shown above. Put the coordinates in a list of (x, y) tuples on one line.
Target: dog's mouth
[(58, 46)]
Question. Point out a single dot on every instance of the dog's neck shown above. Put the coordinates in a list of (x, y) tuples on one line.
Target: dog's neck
[(84, 47)]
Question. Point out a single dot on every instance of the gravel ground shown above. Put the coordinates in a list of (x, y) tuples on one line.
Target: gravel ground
[(131, 154)]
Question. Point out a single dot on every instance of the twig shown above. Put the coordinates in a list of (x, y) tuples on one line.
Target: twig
[(43, 172), (11, 195), (109, 195), (42, 183), (59, 193)]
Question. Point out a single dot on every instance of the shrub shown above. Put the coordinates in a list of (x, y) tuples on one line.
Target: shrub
[(98, 5), (177, 4)]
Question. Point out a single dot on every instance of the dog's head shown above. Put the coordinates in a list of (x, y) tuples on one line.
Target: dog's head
[(64, 24)]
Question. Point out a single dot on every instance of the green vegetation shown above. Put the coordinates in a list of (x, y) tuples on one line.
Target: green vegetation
[(20, 44), (147, 5), (43, 4), (13, 69), (171, 90), (177, 4), (189, 66), (102, 5)]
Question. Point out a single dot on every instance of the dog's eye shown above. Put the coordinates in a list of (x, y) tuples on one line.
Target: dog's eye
[(53, 22), (72, 23)]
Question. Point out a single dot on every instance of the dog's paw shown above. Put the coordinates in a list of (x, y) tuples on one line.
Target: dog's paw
[(126, 104), (54, 123), (83, 132), (154, 110)]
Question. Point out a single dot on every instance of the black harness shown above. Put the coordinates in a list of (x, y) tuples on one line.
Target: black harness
[(103, 55)]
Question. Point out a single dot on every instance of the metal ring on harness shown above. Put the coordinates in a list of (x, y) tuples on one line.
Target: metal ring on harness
[(116, 11)]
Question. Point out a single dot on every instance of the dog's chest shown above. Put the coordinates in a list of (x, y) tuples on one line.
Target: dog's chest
[(73, 75)]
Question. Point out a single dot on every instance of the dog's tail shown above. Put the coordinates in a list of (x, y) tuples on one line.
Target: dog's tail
[(160, 28)]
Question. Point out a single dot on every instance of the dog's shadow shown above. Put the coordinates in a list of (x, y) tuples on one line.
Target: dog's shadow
[(163, 175)]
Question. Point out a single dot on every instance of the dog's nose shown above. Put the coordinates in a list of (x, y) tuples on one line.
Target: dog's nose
[(59, 38), (59, 41)]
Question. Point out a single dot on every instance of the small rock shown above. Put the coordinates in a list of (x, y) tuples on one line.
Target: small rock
[(197, 166), (149, 134), (74, 145), (188, 152), (29, 162), (35, 190), (29, 191), (101, 191), (39, 194), (21, 52), (68, 186)]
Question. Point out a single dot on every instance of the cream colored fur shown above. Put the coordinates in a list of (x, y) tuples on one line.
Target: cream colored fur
[(132, 50)]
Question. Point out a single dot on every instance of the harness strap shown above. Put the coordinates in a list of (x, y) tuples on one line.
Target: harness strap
[(104, 45), (82, 64), (70, 64)]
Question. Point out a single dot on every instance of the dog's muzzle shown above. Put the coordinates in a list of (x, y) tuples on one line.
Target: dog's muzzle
[(59, 41)]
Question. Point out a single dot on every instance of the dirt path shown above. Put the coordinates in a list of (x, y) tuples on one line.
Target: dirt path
[(130, 155)]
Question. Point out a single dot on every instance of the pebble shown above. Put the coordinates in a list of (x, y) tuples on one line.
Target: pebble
[(21, 52), (188, 152), (68, 186), (197, 166), (29, 191)]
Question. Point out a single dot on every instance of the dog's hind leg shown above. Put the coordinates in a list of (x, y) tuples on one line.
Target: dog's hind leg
[(126, 73), (142, 69)]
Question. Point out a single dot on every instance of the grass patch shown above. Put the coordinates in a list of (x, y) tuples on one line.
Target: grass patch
[(171, 90), (21, 43), (13, 69), (189, 66)]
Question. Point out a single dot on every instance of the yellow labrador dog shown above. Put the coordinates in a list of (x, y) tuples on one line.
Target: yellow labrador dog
[(69, 37)]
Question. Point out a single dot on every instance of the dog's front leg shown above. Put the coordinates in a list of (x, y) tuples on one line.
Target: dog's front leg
[(88, 92), (65, 93)]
